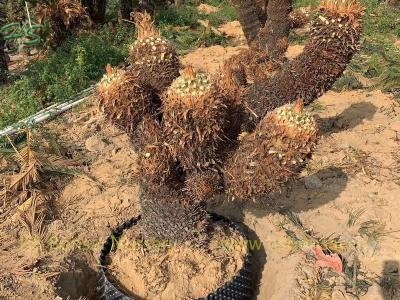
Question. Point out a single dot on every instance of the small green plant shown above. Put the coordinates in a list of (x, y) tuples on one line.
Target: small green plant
[(348, 81), (354, 216), (372, 229)]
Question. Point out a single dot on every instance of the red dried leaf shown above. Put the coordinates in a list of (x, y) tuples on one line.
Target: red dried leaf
[(328, 261)]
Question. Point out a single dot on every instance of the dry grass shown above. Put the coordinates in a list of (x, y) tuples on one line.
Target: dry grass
[(359, 161), (396, 167), (301, 236), (372, 229)]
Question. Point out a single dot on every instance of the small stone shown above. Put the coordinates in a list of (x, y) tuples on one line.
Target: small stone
[(125, 203), (312, 182), (115, 150), (95, 144)]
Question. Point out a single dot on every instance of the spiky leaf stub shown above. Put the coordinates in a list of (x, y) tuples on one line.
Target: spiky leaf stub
[(258, 64), (335, 35), (123, 99), (231, 81), (273, 154), (156, 165), (169, 214), (337, 26), (153, 56), (193, 119), (298, 18)]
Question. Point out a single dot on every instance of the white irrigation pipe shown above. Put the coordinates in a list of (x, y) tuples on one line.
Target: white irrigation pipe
[(49, 112), (27, 12)]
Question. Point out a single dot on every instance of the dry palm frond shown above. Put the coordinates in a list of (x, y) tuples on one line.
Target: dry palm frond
[(63, 17), (34, 221), (33, 158), (343, 6), (29, 166), (29, 174), (69, 12), (145, 26)]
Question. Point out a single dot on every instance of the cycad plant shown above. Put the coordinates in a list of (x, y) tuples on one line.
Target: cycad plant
[(63, 17), (200, 135)]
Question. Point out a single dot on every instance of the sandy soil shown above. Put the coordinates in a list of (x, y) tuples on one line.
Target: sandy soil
[(210, 59), (161, 271), (356, 168)]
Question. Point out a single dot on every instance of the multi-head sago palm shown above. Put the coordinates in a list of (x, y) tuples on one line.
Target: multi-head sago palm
[(242, 131)]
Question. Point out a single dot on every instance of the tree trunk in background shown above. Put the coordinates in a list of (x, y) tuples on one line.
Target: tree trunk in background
[(249, 16), (96, 10), (274, 36), (262, 4), (393, 3), (3, 62), (3, 57), (126, 7), (179, 2)]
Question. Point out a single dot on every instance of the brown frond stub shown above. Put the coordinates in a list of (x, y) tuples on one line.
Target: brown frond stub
[(194, 117), (145, 26), (272, 155), (124, 99)]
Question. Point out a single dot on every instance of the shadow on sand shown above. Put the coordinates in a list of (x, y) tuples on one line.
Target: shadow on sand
[(390, 281)]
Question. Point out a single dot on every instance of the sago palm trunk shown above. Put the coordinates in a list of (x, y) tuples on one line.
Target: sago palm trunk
[(249, 16), (96, 9), (273, 37), (335, 35)]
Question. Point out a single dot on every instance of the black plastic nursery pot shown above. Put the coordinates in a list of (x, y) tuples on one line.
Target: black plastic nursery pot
[(241, 287)]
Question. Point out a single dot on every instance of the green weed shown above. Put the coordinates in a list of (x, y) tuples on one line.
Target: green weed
[(78, 63)]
